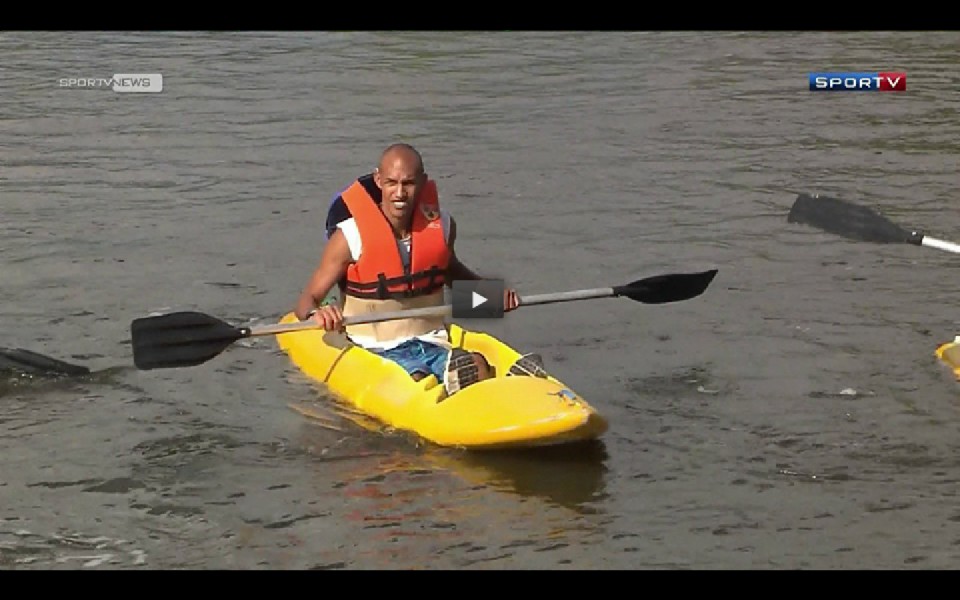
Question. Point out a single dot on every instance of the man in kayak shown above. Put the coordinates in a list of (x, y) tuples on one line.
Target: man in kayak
[(391, 247)]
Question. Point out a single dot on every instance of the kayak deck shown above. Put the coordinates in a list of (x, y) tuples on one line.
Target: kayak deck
[(505, 411)]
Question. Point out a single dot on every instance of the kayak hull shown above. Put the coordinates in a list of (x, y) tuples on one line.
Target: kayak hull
[(504, 411), (949, 354)]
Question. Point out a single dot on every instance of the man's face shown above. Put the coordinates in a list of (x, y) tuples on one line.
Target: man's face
[(400, 180)]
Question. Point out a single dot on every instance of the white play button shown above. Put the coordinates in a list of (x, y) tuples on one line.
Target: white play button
[(477, 300)]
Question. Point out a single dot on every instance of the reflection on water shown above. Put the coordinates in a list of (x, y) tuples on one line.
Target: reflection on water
[(570, 475), (25, 361), (22, 370), (468, 509)]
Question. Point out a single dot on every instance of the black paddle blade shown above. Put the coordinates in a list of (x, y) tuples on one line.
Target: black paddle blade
[(661, 289), (32, 363), (847, 220), (180, 339)]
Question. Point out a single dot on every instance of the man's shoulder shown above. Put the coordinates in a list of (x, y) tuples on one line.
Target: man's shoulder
[(337, 214), (348, 223), (338, 211)]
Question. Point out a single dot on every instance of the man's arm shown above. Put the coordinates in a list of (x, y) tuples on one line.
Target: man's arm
[(333, 266), (456, 270)]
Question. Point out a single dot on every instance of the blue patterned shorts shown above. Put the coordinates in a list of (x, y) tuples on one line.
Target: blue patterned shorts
[(417, 355)]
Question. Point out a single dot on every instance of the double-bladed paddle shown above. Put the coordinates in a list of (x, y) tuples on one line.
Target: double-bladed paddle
[(858, 223), (184, 339)]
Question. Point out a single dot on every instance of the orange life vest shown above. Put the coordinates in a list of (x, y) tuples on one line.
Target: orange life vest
[(379, 272)]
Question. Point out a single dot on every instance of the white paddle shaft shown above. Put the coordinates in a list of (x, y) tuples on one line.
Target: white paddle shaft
[(940, 244), (430, 311), (566, 296)]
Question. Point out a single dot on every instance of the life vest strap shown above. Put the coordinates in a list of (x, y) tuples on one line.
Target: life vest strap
[(380, 289)]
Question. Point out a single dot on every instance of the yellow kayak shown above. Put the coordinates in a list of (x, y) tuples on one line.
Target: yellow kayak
[(949, 353), (505, 411)]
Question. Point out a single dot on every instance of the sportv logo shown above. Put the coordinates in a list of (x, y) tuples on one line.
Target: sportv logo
[(123, 82), (885, 81)]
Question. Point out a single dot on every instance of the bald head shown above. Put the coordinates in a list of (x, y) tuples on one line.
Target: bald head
[(400, 178), (404, 153)]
